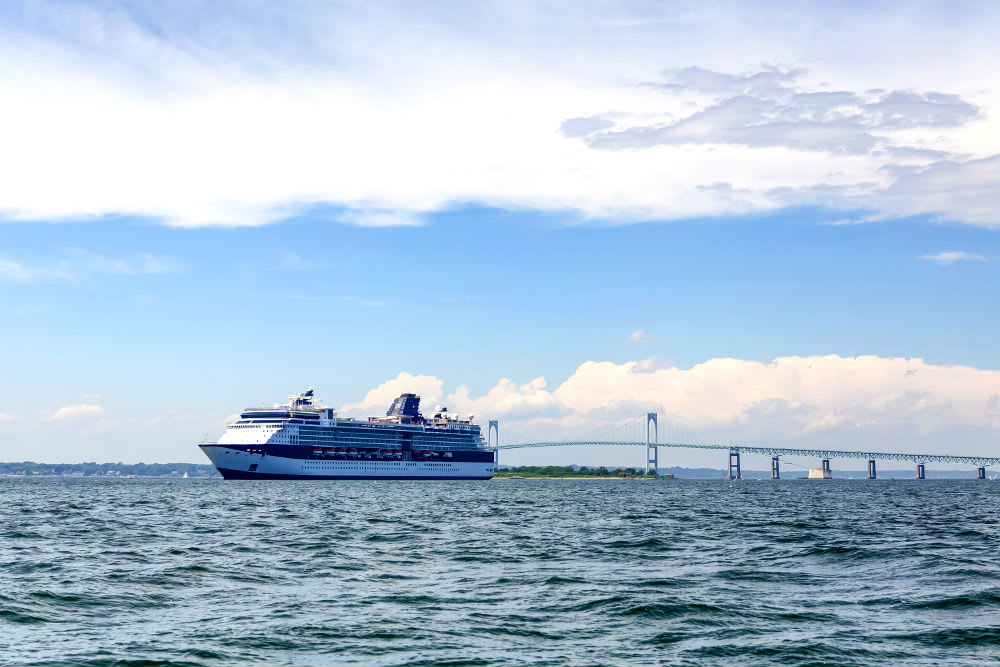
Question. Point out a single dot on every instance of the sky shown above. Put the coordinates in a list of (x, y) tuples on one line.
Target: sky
[(770, 223)]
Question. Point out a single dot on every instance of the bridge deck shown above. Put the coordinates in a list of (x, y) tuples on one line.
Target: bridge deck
[(980, 461)]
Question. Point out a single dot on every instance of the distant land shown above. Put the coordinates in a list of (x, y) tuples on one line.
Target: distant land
[(568, 471), (178, 470), (718, 473), (91, 469)]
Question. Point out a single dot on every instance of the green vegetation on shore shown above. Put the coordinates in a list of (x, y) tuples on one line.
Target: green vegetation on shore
[(569, 471)]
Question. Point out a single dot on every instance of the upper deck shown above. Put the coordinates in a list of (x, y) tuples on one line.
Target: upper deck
[(404, 413), (300, 422)]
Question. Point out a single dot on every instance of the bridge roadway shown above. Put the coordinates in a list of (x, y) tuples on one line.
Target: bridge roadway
[(978, 461)]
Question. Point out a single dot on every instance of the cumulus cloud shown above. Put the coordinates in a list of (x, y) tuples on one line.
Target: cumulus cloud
[(847, 402), (650, 364), (77, 412), (4, 417), (948, 258), (520, 402), (384, 115), (378, 399)]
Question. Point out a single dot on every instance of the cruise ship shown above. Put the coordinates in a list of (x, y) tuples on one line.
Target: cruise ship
[(303, 441)]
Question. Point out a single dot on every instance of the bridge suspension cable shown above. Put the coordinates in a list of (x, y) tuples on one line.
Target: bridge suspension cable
[(632, 433)]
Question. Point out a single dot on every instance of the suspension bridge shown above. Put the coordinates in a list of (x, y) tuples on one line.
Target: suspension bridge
[(644, 432)]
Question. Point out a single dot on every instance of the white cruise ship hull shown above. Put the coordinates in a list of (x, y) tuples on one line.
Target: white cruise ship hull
[(235, 463)]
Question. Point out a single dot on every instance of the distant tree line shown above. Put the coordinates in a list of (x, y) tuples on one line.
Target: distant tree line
[(568, 471), (92, 469)]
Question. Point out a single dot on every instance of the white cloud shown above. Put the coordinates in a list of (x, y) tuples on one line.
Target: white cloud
[(376, 218), (965, 191), (946, 258), (846, 402), (79, 266), (4, 417), (640, 336), (378, 399), (253, 114), (518, 402), (75, 412)]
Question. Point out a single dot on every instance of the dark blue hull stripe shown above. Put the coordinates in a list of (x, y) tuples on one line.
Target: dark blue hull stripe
[(228, 473)]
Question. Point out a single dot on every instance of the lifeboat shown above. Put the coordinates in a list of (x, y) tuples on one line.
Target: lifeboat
[(446, 455), (352, 452), (340, 451), (317, 452)]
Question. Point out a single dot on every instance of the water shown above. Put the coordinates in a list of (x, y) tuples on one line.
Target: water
[(507, 572)]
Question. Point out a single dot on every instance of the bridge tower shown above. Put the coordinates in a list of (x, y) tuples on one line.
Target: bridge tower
[(734, 464), (651, 451), (494, 427)]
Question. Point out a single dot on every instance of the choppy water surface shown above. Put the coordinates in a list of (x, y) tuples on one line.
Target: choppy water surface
[(512, 572)]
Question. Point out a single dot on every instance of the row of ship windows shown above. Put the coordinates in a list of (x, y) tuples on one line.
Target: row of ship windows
[(384, 442), (437, 448), (398, 436), (367, 429), (450, 430), (343, 464), (347, 464), (383, 436), (422, 441), (417, 442)]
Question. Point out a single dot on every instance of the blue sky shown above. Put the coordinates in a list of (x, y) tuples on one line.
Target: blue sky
[(213, 205)]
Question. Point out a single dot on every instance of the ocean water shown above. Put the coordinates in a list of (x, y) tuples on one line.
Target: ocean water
[(506, 572)]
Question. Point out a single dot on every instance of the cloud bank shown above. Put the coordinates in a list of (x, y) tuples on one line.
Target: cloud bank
[(846, 402), (865, 402), (378, 114)]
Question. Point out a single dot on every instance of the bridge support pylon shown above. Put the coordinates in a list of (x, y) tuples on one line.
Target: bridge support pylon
[(871, 468), (826, 466), (494, 427), (981, 472), (734, 464), (920, 471), (651, 451), (775, 472)]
